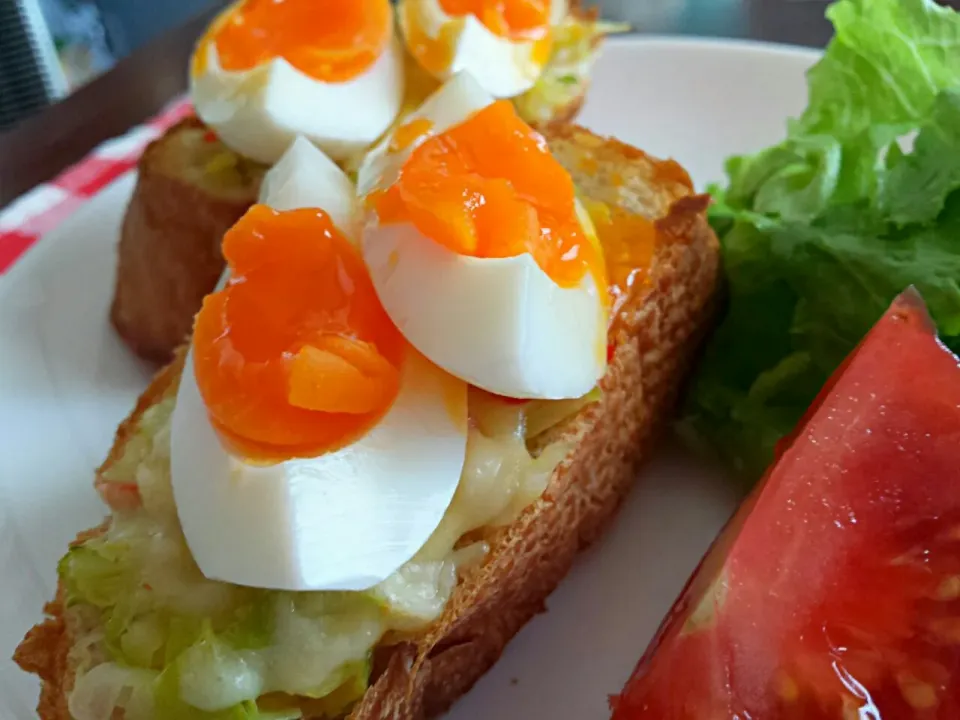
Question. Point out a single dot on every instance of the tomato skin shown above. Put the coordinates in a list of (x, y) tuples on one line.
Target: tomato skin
[(834, 592)]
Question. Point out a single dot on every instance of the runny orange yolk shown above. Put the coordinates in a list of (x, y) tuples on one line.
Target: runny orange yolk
[(295, 356), (516, 20), (629, 245), (329, 40), (409, 133), (490, 188), (527, 19)]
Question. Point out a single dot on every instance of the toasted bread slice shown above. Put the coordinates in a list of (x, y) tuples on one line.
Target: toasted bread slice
[(656, 328), (190, 190)]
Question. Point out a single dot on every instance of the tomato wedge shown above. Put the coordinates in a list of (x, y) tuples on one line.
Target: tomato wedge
[(835, 590)]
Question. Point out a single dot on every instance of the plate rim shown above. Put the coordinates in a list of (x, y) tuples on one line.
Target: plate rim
[(726, 44)]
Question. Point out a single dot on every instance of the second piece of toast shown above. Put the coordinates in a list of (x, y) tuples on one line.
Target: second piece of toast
[(190, 189)]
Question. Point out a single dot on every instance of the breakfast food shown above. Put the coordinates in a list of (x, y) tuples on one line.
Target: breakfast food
[(504, 45), (538, 52), (821, 231), (335, 73), (832, 593), (371, 528), (268, 71), (190, 189), (526, 312)]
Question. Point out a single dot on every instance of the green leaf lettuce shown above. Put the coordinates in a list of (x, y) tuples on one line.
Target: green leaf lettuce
[(822, 231)]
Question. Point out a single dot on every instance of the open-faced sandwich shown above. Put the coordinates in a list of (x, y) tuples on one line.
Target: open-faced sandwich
[(341, 74), (403, 411)]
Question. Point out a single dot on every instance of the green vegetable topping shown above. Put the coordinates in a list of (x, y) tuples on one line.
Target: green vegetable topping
[(567, 74), (822, 231)]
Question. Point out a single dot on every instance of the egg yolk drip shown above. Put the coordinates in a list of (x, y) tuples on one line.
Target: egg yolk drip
[(527, 19), (409, 133), (629, 245), (515, 20), (329, 40), (490, 188), (295, 356)]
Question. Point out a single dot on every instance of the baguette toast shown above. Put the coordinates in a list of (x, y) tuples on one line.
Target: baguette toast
[(190, 189), (656, 328)]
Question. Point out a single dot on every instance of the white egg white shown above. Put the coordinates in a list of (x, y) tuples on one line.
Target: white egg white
[(503, 66), (451, 104), (305, 177), (558, 11), (344, 520), (258, 112), (501, 324)]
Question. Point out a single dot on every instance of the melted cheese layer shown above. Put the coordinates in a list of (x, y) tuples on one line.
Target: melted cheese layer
[(317, 644)]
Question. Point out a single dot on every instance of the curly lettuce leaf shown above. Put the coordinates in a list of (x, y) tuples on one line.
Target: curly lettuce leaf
[(879, 79), (822, 231), (919, 184), (889, 61)]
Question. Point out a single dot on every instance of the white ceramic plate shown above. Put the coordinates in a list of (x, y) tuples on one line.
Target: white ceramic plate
[(66, 381)]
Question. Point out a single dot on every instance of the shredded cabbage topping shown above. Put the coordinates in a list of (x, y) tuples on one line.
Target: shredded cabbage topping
[(169, 644), (567, 74)]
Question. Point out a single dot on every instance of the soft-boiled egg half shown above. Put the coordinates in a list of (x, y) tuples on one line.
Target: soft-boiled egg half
[(306, 176), (504, 44), (312, 448), (481, 253), (268, 70)]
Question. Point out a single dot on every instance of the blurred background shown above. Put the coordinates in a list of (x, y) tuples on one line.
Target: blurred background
[(50, 47)]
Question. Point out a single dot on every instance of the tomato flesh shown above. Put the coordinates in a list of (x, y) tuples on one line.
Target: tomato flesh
[(835, 590)]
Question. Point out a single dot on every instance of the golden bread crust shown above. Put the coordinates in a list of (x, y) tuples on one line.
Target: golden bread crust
[(169, 251), (659, 327), (44, 652)]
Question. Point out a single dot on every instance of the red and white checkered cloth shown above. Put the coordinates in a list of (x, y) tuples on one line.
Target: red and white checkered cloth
[(38, 211)]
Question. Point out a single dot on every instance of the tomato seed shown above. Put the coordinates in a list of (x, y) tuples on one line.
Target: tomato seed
[(949, 589), (919, 695), (947, 630), (851, 708), (787, 688)]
